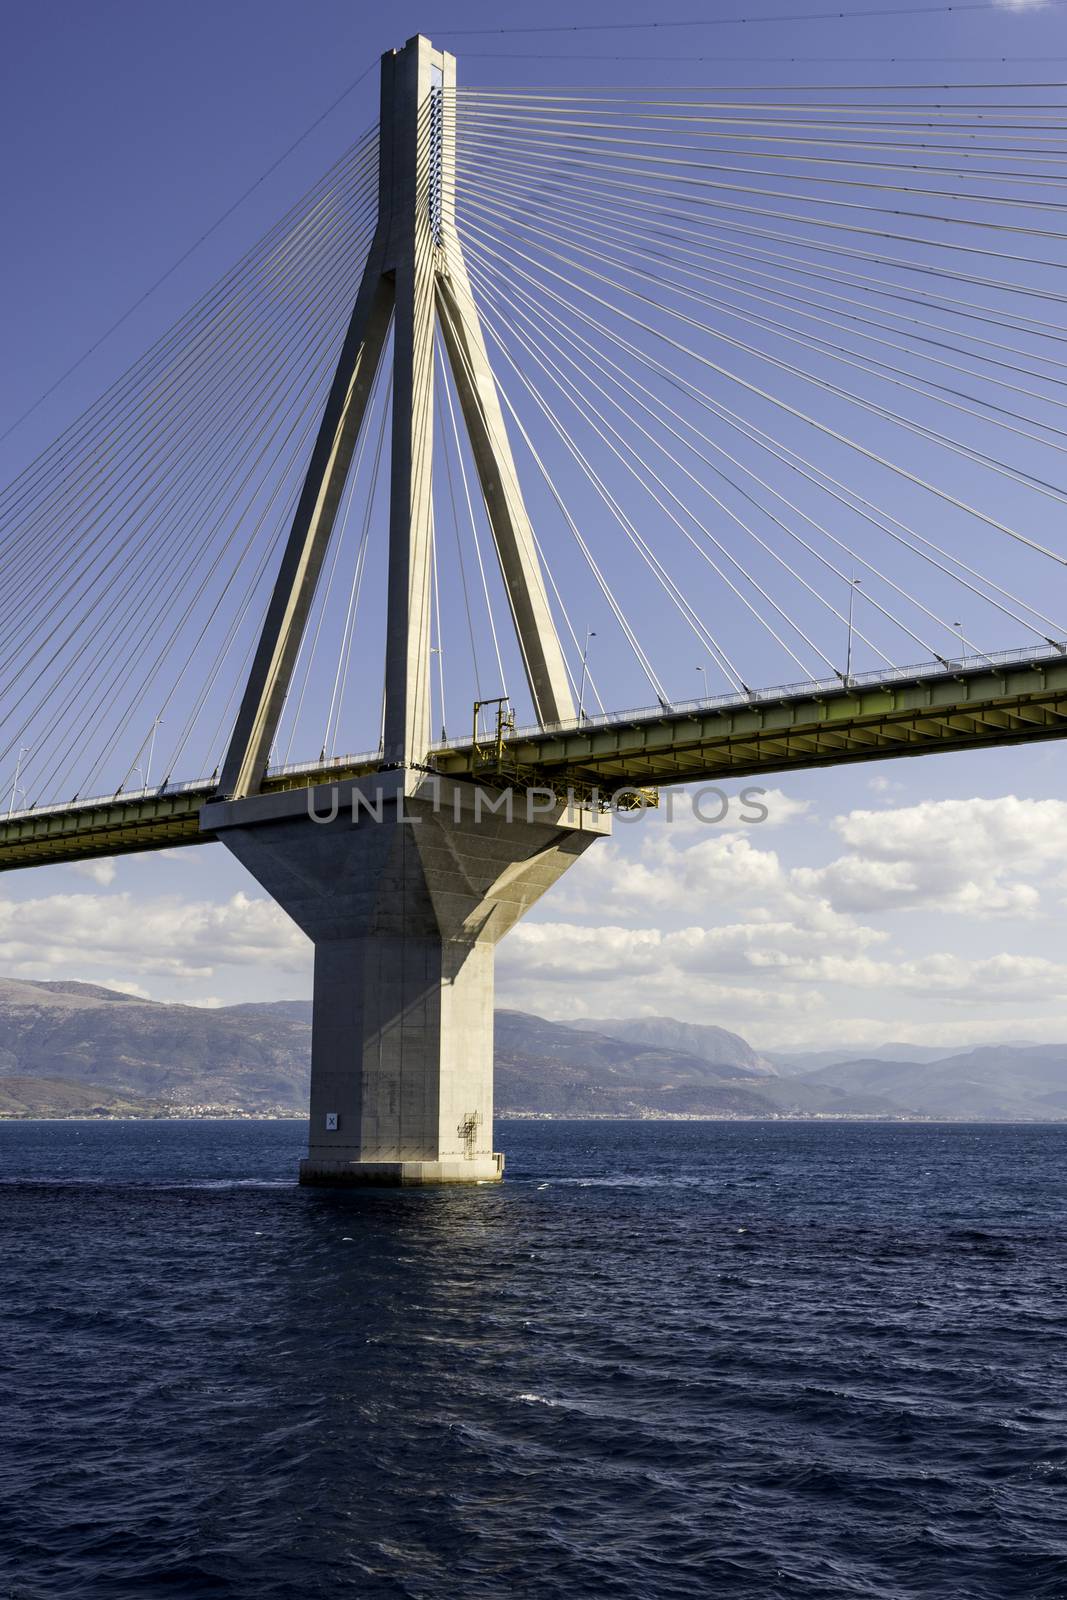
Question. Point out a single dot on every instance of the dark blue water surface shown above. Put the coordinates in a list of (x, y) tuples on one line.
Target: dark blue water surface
[(663, 1360)]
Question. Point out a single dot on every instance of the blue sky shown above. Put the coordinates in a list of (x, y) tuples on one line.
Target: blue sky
[(128, 130), (125, 131)]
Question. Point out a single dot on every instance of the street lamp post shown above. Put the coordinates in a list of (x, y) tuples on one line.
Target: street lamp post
[(15, 783), (435, 650), (704, 674), (854, 584), (590, 633), (151, 753)]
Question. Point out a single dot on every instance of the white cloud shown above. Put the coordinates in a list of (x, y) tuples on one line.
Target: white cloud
[(998, 979), (675, 875), (884, 785), (101, 871), (968, 856), (781, 808), (698, 808), (713, 925), (165, 935), (124, 986), (698, 973), (767, 966)]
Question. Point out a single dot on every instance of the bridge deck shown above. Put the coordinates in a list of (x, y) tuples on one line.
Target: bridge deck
[(1004, 699)]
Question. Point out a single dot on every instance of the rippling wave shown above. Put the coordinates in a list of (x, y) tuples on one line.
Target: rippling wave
[(747, 1360)]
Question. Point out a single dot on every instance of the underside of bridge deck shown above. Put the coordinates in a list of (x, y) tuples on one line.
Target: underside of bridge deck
[(949, 709), (961, 709)]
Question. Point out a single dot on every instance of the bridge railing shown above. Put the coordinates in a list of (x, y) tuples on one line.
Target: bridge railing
[(888, 676), (326, 764), (203, 786), (156, 792)]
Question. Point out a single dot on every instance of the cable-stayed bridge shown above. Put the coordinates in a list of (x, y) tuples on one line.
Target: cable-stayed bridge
[(540, 404)]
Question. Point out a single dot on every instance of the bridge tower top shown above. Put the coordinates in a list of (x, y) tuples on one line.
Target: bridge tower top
[(415, 281)]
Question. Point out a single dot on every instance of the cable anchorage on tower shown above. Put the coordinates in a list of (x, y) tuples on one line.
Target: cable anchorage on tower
[(436, 148)]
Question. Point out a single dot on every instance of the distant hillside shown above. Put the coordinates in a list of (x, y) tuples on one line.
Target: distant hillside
[(716, 1045), (549, 1067), (789, 1063), (994, 1083), (256, 1057), (803, 1097), (69, 1049), (54, 1097)]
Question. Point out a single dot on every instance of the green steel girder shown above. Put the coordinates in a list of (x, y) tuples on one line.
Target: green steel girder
[(950, 710), (126, 824), (942, 712), (117, 826)]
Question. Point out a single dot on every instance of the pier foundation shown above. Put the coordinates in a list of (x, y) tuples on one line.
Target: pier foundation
[(405, 883)]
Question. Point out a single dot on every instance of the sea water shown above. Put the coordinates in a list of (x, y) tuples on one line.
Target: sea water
[(661, 1360)]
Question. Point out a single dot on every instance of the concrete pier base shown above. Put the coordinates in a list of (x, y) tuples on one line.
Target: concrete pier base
[(405, 883), (399, 1174)]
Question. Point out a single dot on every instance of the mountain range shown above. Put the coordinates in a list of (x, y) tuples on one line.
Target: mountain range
[(69, 1049)]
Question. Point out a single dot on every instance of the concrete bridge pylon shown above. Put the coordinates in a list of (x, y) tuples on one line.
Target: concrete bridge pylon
[(404, 883)]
